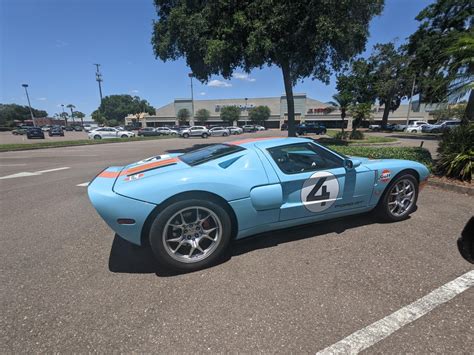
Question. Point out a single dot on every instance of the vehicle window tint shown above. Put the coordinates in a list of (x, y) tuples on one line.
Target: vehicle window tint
[(303, 157), (209, 153)]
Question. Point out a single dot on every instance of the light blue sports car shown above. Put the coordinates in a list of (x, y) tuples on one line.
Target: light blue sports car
[(188, 207)]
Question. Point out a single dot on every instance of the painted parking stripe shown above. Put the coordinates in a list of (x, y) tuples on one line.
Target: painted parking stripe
[(84, 184), (372, 334), (34, 173)]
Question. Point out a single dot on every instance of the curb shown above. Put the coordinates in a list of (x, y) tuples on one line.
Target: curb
[(451, 187)]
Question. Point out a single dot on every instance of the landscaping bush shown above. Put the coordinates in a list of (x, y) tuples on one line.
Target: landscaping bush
[(340, 135), (356, 135), (456, 151), (409, 153)]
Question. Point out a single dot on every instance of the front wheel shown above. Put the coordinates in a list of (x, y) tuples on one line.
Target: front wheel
[(225, 134), (97, 137), (204, 135), (190, 235), (123, 136), (399, 198), (185, 135)]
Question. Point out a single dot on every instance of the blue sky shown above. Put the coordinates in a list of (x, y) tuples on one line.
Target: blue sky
[(52, 45)]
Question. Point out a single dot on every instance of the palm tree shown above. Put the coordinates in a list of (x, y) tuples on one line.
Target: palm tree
[(462, 63), (342, 101), (71, 107)]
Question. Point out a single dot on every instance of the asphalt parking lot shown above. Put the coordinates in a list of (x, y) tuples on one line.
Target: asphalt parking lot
[(68, 284)]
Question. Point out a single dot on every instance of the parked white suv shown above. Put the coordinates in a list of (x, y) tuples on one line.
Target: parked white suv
[(195, 131), (235, 130), (109, 132), (219, 131)]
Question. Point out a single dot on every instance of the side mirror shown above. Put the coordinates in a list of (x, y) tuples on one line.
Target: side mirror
[(352, 163)]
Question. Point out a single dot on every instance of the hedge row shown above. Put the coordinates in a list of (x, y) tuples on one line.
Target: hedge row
[(421, 155)]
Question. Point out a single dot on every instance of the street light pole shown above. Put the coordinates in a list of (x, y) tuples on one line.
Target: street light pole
[(29, 103), (246, 111), (192, 99), (98, 78)]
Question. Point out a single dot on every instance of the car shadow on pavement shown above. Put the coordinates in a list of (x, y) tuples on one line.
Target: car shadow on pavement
[(126, 257)]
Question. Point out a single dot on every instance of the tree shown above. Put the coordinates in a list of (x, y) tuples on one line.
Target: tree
[(441, 24), (183, 116), (342, 101), (462, 63), (80, 115), (71, 107), (303, 39), (230, 114), (358, 81), (98, 117), (13, 112), (202, 115), (392, 77), (259, 114), (117, 107), (360, 112)]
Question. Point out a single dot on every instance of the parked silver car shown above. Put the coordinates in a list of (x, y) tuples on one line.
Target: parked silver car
[(195, 131), (235, 130), (219, 131), (166, 131), (441, 126)]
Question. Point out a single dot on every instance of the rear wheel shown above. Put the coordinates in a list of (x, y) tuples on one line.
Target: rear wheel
[(124, 136), (97, 136), (225, 134), (190, 235), (399, 198), (185, 135), (204, 135)]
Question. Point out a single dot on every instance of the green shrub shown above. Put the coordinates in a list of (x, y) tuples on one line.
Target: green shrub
[(420, 155), (356, 135), (456, 152), (340, 135)]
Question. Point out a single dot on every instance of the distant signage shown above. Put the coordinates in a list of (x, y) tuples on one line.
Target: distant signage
[(218, 108), (317, 111)]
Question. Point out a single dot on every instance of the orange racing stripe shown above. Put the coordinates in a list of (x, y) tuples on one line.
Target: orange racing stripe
[(109, 174), (148, 166)]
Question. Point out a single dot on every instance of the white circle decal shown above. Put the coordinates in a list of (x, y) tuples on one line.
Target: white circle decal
[(320, 191)]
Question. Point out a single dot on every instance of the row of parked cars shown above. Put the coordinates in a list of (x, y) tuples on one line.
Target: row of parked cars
[(197, 131), (419, 127), (37, 132)]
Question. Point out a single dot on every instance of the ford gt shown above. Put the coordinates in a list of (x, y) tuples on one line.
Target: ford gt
[(188, 207)]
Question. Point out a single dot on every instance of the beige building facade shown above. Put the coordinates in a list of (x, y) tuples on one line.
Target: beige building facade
[(306, 110)]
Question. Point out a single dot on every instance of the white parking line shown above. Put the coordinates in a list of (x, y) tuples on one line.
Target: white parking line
[(34, 173), (372, 334), (83, 184)]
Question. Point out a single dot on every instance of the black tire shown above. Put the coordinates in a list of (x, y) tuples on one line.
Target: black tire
[(123, 136), (204, 135), (383, 209), (225, 134), (97, 136), (156, 235), (185, 135)]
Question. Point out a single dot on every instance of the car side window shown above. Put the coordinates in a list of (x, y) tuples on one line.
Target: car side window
[(303, 157)]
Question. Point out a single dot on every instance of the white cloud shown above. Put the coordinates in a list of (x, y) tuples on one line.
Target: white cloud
[(41, 98), (61, 44), (219, 84), (134, 91), (243, 76), (202, 93)]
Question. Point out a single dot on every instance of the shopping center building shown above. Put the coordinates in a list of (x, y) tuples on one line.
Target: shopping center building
[(306, 110)]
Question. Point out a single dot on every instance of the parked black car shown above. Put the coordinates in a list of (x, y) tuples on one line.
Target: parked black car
[(306, 128), (77, 128), (284, 127), (56, 131), (147, 132), (35, 132), (69, 128)]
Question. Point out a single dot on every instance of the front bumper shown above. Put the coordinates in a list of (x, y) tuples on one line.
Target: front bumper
[(112, 206)]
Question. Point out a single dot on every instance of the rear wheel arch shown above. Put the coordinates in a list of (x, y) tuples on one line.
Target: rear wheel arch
[(204, 195)]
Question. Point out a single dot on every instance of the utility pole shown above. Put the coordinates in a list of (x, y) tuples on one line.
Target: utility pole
[(192, 99), (98, 78), (409, 102), (246, 111), (29, 103)]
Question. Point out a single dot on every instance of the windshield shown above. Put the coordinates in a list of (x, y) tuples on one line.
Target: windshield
[(209, 153)]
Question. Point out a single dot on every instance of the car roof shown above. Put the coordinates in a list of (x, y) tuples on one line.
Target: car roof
[(268, 142)]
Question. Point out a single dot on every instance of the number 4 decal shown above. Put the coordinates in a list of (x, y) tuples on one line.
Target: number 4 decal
[(320, 191)]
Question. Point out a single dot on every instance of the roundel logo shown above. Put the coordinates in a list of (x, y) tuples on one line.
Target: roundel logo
[(320, 191)]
